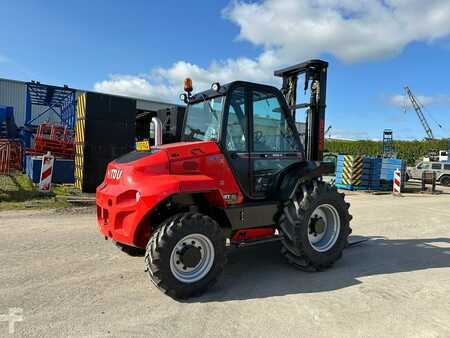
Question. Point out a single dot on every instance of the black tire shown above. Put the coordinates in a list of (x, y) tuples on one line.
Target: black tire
[(294, 224), (445, 181), (407, 177), (164, 241)]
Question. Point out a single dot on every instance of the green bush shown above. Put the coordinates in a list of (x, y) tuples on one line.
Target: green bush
[(411, 151)]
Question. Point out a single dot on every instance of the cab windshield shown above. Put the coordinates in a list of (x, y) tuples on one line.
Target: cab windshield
[(203, 120)]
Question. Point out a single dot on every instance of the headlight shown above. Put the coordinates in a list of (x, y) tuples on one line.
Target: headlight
[(215, 86), (184, 98)]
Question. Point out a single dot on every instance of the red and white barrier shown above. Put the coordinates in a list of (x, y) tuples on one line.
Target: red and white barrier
[(397, 186), (46, 172)]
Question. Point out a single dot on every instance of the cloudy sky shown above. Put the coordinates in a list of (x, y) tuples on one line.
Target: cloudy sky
[(146, 49)]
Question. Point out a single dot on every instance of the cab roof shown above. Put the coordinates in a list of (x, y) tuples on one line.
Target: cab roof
[(224, 88)]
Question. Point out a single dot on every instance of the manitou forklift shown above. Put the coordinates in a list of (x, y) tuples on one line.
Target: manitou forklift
[(240, 176)]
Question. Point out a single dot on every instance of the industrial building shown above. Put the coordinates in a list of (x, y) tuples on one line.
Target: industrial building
[(13, 93), (36, 118)]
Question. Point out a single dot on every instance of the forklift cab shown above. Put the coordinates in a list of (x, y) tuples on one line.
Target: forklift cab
[(255, 127)]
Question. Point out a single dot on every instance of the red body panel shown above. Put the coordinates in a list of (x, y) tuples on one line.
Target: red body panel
[(252, 233), (131, 190)]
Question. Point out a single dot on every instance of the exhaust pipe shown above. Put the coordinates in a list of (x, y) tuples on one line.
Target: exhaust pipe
[(158, 131)]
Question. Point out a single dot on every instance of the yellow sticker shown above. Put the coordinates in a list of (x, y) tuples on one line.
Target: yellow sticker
[(142, 145)]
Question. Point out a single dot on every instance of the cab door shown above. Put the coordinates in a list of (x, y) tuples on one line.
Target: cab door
[(274, 140), (420, 169), (235, 136)]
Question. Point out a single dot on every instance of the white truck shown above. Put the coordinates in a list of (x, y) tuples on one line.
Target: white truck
[(442, 170)]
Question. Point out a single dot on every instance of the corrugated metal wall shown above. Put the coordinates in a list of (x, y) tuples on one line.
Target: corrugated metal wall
[(152, 105), (13, 93)]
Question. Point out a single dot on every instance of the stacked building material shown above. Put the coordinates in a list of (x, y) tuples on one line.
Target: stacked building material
[(374, 173), (388, 167), (367, 173), (11, 156), (58, 140), (351, 172), (63, 169), (105, 129), (8, 128)]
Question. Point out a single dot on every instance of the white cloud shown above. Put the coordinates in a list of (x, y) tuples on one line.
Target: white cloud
[(133, 85), (402, 101), (347, 134), (293, 30)]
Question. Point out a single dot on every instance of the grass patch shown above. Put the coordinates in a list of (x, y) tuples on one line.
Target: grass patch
[(17, 188), (17, 191)]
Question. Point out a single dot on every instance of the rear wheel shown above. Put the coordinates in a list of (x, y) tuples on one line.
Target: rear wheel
[(315, 227), (445, 180), (186, 255)]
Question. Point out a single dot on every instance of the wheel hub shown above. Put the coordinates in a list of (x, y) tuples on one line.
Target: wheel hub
[(190, 256), (324, 227), (318, 226)]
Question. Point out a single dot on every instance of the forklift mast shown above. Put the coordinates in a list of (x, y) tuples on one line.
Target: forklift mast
[(316, 81)]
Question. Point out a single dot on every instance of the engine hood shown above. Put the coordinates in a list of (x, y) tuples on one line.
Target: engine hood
[(131, 167), (185, 150)]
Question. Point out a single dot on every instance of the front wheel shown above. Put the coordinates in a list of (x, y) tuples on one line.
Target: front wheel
[(186, 255), (315, 225)]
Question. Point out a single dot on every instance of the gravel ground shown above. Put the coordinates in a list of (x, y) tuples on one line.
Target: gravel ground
[(69, 281)]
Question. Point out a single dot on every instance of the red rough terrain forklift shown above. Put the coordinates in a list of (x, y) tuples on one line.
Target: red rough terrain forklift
[(240, 176)]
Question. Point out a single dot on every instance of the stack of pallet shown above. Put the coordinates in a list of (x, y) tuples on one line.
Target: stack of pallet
[(11, 156), (367, 173), (58, 140), (352, 172), (388, 167)]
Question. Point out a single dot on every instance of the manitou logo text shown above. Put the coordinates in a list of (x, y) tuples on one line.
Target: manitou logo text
[(114, 174)]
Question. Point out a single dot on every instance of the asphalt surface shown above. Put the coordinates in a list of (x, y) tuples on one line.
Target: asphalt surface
[(69, 281)]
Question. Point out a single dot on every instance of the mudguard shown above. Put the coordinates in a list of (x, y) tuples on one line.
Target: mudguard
[(287, 180), (122, 213)]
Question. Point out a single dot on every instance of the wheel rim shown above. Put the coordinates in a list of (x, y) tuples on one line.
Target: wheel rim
[(324, 227), (192, 258)]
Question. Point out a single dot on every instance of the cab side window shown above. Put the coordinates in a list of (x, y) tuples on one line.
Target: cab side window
[(436, 166), (236, 128), (273, 137), (424, 166), (271, 132)]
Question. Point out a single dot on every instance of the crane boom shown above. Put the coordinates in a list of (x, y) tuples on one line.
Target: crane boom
[(417, 107)]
